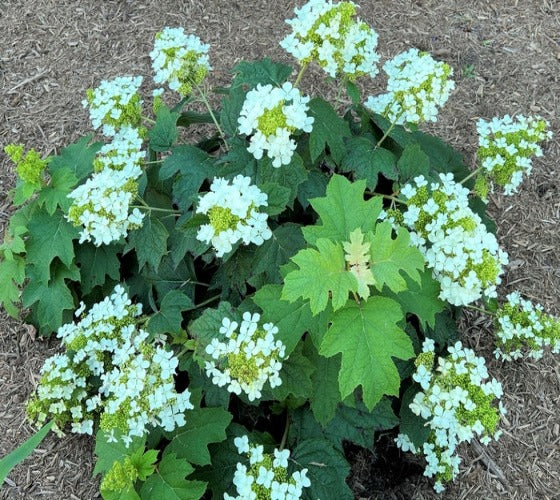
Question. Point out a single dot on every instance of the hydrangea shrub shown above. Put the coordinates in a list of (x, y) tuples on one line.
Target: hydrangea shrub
[(232, 310)]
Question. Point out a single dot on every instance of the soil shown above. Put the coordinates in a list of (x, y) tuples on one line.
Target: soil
[(506, 57)]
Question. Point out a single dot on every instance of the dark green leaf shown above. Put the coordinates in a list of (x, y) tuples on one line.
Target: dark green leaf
[(56, 193), (314, 186), (231, 108), (96, 263), (397, 133), (149, 241), (188, 160), (264, 72), (328, 130), (77, 157), (445, 330), (295, 374), (169, 317), (164, 133), (412, 163), (353, 93), (12, 274), (412, 425), (289, 176), (278, 197)]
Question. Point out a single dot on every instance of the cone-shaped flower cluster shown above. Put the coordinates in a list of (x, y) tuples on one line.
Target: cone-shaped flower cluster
[(506, 146), (523, 327), (458, 404), (417, 87), (110, 371), (327, 33), (269, 116), (233, 213), (267, 476), (179, 60), (464, 256), (245, 360), (114, 104)]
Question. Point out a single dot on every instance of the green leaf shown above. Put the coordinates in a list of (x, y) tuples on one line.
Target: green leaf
[(413, 425), (398, 133), (109, 452), (390, 258), (231, 108), (50, 236), (18, 455), (169, 317), (295, 374), (56, 193), (445, 331), (325, 395), (127, 493), (368, 337), (164, 133), (328, 130), (322, 274), (52, 298), (96, 263), (264, 72), (204, 426), (237, 161), (293, 319), (286, 240), (149, 241), (169, 483), (77, 157), (367, 162), (421, 299), (342, 210), (12, 276), (412, 163), (144, 462), (278, 197), (188, 160), (313, 187), (327, 469), (289, 176), (353, 93)]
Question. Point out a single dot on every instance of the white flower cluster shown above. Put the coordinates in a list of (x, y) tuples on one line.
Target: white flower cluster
[(521, 325), (232, 210), (110, 370), (101, 205), (505, 149), (115, 103), (179, 60), (465, 258), (458, 404), (417, 86), (246, 360), (328, 34), (269, 115), (267, 477), (123, 153)]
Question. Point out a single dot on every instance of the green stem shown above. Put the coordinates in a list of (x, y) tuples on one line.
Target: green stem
[(471, 175), (209, 108), (480, 309), (153, 162), (285, 435), (206, 302), (390, 197), (145, 206), (149, 120), (300, 74), (388, 131)]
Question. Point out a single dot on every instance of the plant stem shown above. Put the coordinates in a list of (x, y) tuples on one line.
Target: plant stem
[(471, 175), (144, 205), (285, 435), (149, 120), (209, 108), (480, 309), (390, 197), (300, 74), (206, 302), (153, 162)]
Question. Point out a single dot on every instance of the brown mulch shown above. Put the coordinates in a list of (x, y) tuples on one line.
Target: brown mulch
[(506, 56)]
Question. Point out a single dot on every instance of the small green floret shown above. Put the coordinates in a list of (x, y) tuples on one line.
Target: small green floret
[(273, 119), (29, 167), (222, 219), (119, 476)]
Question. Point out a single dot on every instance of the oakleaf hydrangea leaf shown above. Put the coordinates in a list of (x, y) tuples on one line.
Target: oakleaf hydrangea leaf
[(342, 210), (392, 257), (56, 193), (358, 256), (78, 157), (368, 337), (96, 264), (328, 130), (169, 317), (12, 274), (322, 274)]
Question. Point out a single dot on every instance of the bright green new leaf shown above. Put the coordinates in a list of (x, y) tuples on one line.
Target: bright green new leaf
[(168, 481), (96, 263), (77, 157), (328, 130), (109, 452), (322, 274), (164, 133), (169, 317), (342, 210), (264, 72), (56, 193), (144, 462), (50, 237), (12, 275), (13, 458), (204, 426), (327, 469), (368, 337), (390, 258), (149, 241)]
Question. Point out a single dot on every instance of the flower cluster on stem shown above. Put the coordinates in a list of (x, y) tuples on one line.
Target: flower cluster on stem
[(109, 371), (269, 116), (179, 60), (458, 404), (233, 213), (267, 477), (506, 146), (523, 326), (246, 360), (465, 258), (417, 87), (29, 167), (327, 33)]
